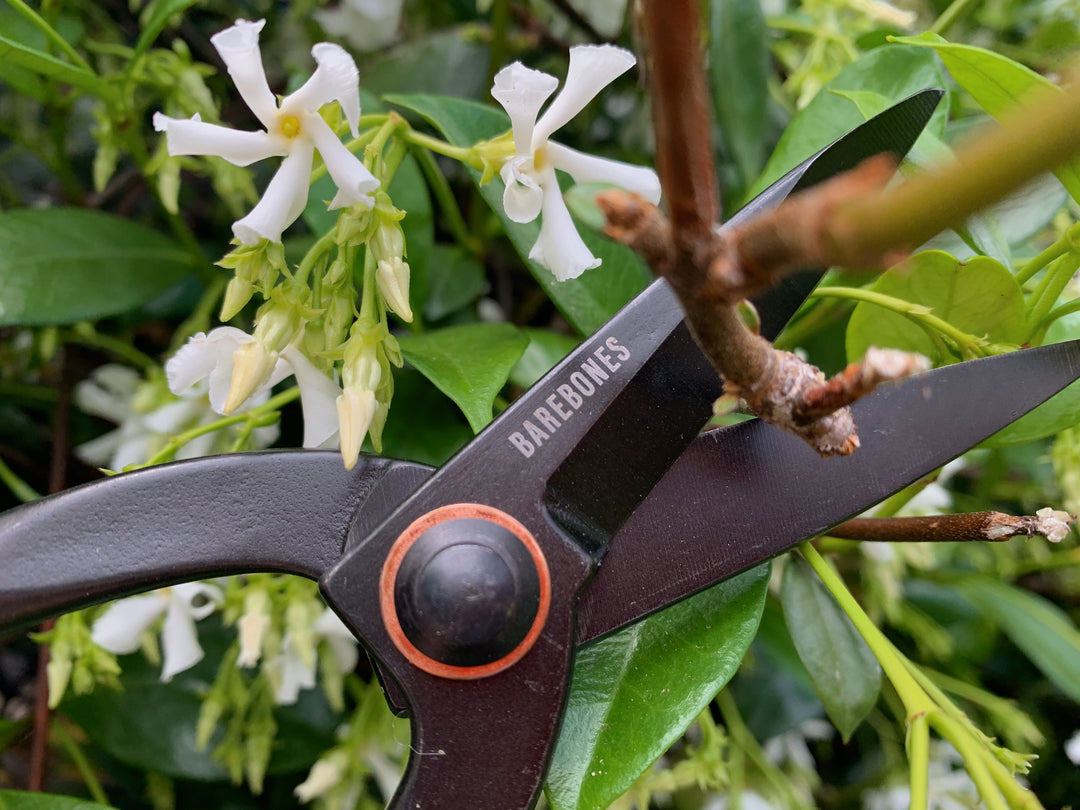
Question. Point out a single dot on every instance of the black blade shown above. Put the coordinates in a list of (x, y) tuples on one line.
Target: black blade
[(746, 493), (245, 512), (609, 470)]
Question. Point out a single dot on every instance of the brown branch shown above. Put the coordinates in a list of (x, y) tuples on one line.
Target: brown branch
[(963, 528)]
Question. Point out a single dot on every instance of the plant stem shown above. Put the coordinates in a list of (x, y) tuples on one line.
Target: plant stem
[(918, 747), (463, 154), (950, 16), (19, 488), (444, 195), (1053, 284), (78, 758), (969, 345), (176, 442), (89, 336)]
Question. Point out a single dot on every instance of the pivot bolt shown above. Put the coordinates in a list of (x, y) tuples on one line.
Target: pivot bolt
[(465, 591)]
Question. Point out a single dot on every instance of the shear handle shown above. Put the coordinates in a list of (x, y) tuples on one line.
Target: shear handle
[(247, 512)]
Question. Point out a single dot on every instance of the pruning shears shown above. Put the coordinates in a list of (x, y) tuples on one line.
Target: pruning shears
[(593, 501)]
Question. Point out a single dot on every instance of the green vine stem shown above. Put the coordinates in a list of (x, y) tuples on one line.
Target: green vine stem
[(19, 488), (254, 417), (444, 195), (926, 704), (968, 345), (86, 335), (956, 11), (1047, 293), (1068, 241), (82, 764)]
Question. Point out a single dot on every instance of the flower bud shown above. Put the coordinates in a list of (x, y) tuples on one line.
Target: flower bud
[(252, 627), (392, 279), (252, 366), (237, 294), (356, 408)]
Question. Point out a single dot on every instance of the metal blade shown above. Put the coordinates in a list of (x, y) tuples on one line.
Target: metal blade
[(245, 512), (746, 493), (605, 474)]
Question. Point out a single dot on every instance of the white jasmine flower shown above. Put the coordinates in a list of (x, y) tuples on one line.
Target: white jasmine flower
[(118, 630), (294, 130), (296, 674), (116, 393), (531, 184), (366, 25), (211, 356)]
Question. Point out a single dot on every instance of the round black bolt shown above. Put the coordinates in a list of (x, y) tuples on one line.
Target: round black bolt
[(467, 592)]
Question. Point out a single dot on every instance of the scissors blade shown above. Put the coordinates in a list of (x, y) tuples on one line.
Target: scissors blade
[(277, 511), (743, 494), (671, 394)]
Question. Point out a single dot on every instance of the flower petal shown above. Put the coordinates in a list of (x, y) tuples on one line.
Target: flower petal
[(591, 169), (560, 247), (294, 673), (351, 176), (335, 79), (108, 392), (283, 199), (238, 47), (203, 356), (193, 136), (318, 398), (522, 92), (118, 629), (523, 196), (198, 598), (592, 68), (179, 641)]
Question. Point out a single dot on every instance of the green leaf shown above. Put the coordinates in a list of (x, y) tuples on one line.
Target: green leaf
[(1060, 411), (424, 424), (43, 64), (462, 63), (455, 280), (1039, 628), (997, 83), (154, 23), (845, 673), (738, 76), (894, 72), (546, 348), (636, 691), (61, 265), (587, 302), (21, 800), (468, 363), (978, 296)]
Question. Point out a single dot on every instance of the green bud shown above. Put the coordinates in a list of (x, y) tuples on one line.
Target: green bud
[(237, 294)]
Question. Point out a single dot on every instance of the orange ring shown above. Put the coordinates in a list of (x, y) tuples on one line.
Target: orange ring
[(393, 563)]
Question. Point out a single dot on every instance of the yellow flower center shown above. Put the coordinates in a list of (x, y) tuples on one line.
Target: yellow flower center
[(539, 158), (289, 126)]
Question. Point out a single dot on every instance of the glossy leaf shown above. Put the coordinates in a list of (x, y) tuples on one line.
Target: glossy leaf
[(455, 280), (588, 301), (894, 72), (997, 83), (468, 363), (978, 296), (738, 77), (1060, 411), (61, 265), (1038, 627), (22, 800), (845, 673), (424, 424), (634, 692), (160, 13)]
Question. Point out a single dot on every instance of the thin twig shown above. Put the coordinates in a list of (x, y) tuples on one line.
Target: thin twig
[(970, 527)]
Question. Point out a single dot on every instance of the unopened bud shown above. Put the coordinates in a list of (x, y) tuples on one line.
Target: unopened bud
[(392, 278), (355, 408), (237, 294), (252, 366), (253, 626)]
